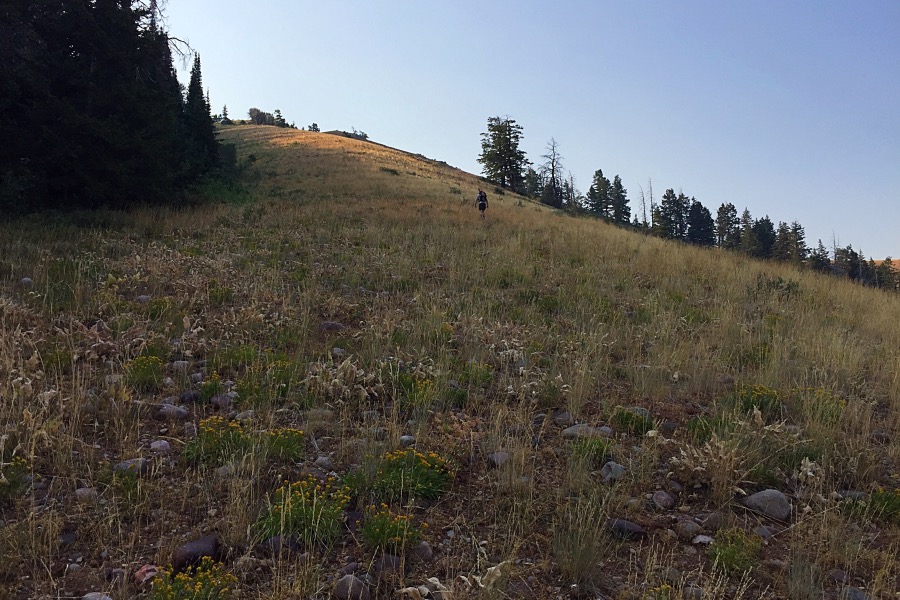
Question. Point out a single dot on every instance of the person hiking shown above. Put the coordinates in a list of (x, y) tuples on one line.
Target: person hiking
[(481, 201)]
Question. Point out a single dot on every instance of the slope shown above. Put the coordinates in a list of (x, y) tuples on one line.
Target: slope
[(605, 402)]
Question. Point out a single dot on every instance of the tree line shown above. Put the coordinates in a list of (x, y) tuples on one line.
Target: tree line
[(91, 110), (675, 216)]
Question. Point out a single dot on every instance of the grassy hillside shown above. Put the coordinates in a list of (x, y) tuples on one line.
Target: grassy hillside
[(352, 293)]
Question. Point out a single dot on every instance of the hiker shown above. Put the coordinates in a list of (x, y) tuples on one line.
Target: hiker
[(481, 201)]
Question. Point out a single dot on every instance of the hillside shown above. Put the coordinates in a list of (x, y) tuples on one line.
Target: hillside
[(346, 355)]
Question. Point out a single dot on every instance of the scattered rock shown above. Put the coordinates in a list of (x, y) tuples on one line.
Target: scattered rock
[(387, 564), (406, 441), (583, 430), (190, 430), (331, 327), (190, 554), (226, 471), (763, 532), (852, 495), (663, 500), (350, 587), (72, 568), (95, 596), (423, 551), (674, 486), (716, 521), (116, 575), (838, 576), (612, 471), (68, 536), (160, 447), (668, 428), (245, 416), (133, 466), (172, 412), (181, 365), (86, 495), (702, 539), (221, 401), (562, 418), (852, 593), (338, 353), (641, 412), (771, 503), (349, 569), (190, 397), (497, 459), (692, 592), (197, 377), (26, 282), (687, 530), (626, 529), (143, 299), (325, 463), (280, 546), (249, 564)]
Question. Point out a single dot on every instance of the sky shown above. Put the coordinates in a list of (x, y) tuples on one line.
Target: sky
[(790, 109)]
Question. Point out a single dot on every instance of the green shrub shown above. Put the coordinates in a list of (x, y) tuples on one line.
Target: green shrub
[(12, 478), (410, 473), (309, 509), (144, 373), (734, 551), (209, 581), (766, 399), (630, 421), (385, 531), (285, 444), (211, 387), (592, 451), (218, 441)]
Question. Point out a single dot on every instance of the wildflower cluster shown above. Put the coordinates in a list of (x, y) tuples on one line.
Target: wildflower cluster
[(209, 581), (410, 473), (660, 592), (818, 405), (218, 441), (415, 388), (767, 400), (311, 510), (144, 373), (212, 386), (384, 530), (12, 478), (285, 443)]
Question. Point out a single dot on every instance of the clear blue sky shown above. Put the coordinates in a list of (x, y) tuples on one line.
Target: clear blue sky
[(791, 109)]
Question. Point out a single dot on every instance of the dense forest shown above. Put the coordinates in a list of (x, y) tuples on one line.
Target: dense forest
[(91, 110), (674, 216)]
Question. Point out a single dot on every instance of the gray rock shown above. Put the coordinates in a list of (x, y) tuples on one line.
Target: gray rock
[(172, 412), (181, 365), (838, 576), (687, 530), (583, 430), (220, 401), (702, 539), (612, 471), (280, 546), (26, 282), (406, 441), (423, 551), (692, 592), (245, 416), (325, 463), (626, 529), (190, 430), (331, 327), (716, 521), (350, 587), (763, 532), (160, 447), (168, 382), (143, 299), (853, 495), (134, 466), (116, 575), (349, 569), (338, 353), (497, 459), (852, 593), (387, 564), (190, 554), (771, 503), (663, 500), (190, 397), (226, 471), (197, 377), (86, 495), (95, 596), (563, 418), (640, 411)]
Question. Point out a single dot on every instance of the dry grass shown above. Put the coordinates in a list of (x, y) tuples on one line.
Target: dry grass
[(490, 323)]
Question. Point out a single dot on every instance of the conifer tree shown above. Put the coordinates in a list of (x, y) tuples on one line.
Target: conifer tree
[(728, 230), (700, 224), (200, 133), (598, 195), (502, 160), (618, 199)]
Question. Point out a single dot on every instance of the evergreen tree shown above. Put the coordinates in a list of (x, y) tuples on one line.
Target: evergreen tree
[(314, 127), (598, 195), (502, 160), (701, 227), (782, 248), (764, 235), (728, 227), (885, 276), (225, 120), (819, 259), (533, 183), (748, 245), (200, 133), (670, 219), (618, 199)]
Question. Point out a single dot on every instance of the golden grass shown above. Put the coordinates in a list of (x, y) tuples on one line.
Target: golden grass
[(561, 312)]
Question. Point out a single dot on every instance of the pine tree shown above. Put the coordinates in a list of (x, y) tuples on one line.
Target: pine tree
[(728, 230), (701, 227), (200, 133), (502, 160), (819, 259), (598, 195), (618, 199)]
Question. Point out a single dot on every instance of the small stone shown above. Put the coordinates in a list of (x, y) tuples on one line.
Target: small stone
[(172, 412), (387, 564), (692, 592), (674, 486), (68, 537), (95, 596), (86, 495), (135, 466), (406, 441), (72, 568), (852, 495), (190, 430), (160, 447), (626, 529), (331, 327), (181, 365), (168, 382), (687, 530), (338, 353), (325, 463), (197, 377), (349, 569), (852, 593), (350, 587), (663, 500), (190, 554), (838, 576), (245, 416), (612, 471), (497, 459), (563, 418), (763, 532), (771, 503), (225, 471), (583, 430), (220, 401), (641, 412), (116, 575), (716, 521), (280, 546), (190, 397), (423, 551), (26, 282), (143, 299), (702, 539)]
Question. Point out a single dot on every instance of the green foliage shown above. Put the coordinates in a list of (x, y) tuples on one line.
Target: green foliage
[(734, 551), (701, 429), (411, 474), (502, 160), (208, 581), (476, 374), (211, 387), (285, 444), (882, 505), (591, 451), (12, 478), (144, 373), (234, 357), (766, 399), (309, 509), (218, 441), (385, 531), (630, 421)]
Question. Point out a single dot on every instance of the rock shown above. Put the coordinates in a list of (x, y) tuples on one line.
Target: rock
[(687, 530), (771, 503), (168, 382), (497, 459), (26, 282), (641, 412), (406, 441), (387, 564), (668, 428), (852, 495), (197, 377), (226, 471), (68, 536), (838, 576), (338, 353), (674, 486), (702, 539), (160, 447), (86, 495), (349, 569), (763, 532), (143, 299), (423, 551), (852, 593), (182, 366), (190, 397), (245, 416), (145, 574), (279, 546), (95, 596), (692, 592), (583, 430), (350, 587), (881, 437), (190, 554), (221, 401), (626, 529), (325, 463), (331, 327), (663, 500), (72, 568), (190, 430), (612, 471), (249, 564), (563, 418), (116, 575), (716, 521), (172, 412), (132, 466)]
